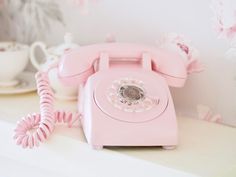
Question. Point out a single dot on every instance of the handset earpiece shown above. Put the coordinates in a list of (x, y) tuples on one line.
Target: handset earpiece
[(77, 65)]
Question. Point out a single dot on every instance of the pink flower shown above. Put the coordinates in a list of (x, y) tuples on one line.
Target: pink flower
[(205, 113), (110, 37), (1, 3), (224, 18), (184, 47), (83, 5)]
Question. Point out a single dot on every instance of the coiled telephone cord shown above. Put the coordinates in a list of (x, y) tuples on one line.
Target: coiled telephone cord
[(35, 128)]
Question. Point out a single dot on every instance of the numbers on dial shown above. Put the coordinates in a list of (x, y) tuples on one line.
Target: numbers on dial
[(129, 95)]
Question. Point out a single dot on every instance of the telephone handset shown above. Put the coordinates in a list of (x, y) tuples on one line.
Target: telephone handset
[(124, 99), (79, 63)]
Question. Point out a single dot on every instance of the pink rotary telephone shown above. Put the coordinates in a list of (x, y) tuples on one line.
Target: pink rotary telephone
[(124, 99)]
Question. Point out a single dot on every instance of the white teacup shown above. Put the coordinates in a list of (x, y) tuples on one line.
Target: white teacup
[(13, 60)]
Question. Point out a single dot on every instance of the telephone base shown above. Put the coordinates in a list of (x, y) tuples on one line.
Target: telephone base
[(169, 147), (106, 125), (97, 147)]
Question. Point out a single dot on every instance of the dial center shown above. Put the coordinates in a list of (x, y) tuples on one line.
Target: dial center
[(131, 93)]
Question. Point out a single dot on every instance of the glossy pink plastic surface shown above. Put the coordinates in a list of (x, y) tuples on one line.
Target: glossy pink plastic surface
[(78, 64), (103, 129), (107, 122), (101, 70), (143, 115)]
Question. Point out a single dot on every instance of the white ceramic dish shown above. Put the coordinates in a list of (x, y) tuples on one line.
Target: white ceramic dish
[(26, 84), (13, 60)]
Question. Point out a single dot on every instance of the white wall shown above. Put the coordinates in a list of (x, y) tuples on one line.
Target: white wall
[(147, 20)]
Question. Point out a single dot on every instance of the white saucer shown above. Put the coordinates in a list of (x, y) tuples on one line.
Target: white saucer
[(26, 84), (9, 83)]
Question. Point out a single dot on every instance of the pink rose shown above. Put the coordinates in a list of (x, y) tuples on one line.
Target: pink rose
[(185, 48), (224, 19)]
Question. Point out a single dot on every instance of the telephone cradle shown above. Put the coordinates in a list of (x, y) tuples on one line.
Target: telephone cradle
[(123, 96)]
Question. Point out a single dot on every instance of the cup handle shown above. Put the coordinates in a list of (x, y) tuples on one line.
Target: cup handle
[(33, 59)]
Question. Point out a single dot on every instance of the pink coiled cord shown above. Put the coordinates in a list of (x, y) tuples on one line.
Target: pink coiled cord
[(35, 128)]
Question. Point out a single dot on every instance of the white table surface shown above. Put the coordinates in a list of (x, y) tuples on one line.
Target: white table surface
[(205, 149)]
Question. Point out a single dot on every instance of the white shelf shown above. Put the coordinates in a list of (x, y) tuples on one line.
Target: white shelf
[(205, 149)]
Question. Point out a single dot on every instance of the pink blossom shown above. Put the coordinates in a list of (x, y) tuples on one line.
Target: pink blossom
[(83, 5), (224, 19), (185, 48), (205, 113), (110, 38), (1, 3)]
